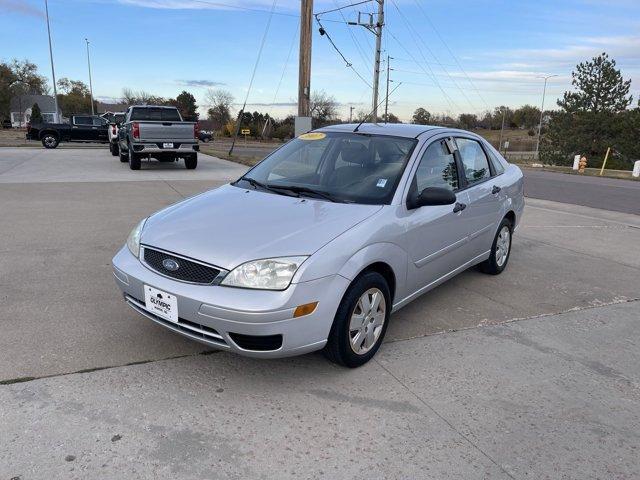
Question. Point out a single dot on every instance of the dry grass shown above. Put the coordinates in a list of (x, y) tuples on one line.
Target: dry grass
[(248, 160)]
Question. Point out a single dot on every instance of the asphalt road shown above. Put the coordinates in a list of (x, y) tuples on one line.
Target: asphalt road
[(530, 374), (614, 194)]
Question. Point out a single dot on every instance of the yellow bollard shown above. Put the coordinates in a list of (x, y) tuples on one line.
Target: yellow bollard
[(605, 161)]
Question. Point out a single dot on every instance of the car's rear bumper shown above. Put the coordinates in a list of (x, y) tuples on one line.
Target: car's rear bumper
[(234, 318), (156, 147)]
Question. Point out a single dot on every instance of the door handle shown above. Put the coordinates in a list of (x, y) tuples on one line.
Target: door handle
[(495, 189), (459, 207)]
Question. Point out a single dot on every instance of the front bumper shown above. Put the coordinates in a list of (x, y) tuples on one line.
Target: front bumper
[(215, 315)]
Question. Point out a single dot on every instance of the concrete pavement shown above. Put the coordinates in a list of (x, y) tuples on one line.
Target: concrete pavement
[(552, 397)]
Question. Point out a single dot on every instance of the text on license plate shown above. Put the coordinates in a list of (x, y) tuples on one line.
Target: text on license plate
[(167, 145), (161, 303)]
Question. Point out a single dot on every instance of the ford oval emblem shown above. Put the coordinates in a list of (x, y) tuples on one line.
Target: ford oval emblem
[(170, 264)]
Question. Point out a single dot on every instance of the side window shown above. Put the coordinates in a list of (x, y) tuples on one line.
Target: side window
[(83, 120), (476, 165), (495, 162), (99, 122), (437, 168)]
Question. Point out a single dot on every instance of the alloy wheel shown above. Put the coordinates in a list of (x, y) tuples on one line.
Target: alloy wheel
[(503, 243), (367, 321)]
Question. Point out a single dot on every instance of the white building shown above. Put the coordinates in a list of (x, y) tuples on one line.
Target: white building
[(21, 106)]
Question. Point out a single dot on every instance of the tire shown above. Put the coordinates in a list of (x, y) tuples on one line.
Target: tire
[(343, 344), (134, 160), (114, 148), (500, 250), (191, 161), (49, 140), (124, 157)]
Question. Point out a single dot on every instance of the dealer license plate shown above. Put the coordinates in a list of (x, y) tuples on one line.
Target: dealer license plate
[(161, 303)]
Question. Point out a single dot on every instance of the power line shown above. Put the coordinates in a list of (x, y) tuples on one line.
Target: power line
[(449, 100), (284, 68), (416, 34), (343, 7), (253, 74), (353, 37), (347, 62), (455, 59)]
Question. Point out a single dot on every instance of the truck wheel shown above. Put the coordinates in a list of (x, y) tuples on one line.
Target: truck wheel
[(49, 140), (124, 156), (114, 149), (134, 160), (191, 161)]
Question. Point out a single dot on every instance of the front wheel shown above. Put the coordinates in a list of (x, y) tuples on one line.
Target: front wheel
[(114, 148), (360, 322), (500, 250), (50, 141)]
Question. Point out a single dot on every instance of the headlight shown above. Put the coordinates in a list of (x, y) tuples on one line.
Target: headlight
[(133, 240), (267, 274)]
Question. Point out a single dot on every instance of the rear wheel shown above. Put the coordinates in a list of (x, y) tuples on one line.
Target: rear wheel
[(49, 140), (124, 156), (191, 161), (134, 160), (500, 250), (360, 322)]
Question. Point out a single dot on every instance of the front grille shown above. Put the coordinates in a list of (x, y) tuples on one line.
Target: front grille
[(188, 271)]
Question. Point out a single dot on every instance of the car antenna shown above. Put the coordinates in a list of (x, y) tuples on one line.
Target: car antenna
[(371, 112)]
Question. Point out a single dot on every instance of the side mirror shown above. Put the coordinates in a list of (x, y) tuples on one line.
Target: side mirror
[(431, 196)]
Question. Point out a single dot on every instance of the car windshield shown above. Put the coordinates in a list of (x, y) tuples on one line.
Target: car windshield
[(343, 167), (158, 113)]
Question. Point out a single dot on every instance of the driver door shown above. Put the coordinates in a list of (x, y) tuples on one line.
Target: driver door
[(437, 236)]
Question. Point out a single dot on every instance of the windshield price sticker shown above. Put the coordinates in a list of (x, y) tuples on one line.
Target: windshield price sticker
[(312, 136), (381, 182)]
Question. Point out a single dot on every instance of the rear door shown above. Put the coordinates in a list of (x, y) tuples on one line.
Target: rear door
[(436, 235), (484, 208)]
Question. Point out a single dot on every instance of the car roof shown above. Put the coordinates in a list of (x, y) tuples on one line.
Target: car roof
[(153, 106), (408, 130)]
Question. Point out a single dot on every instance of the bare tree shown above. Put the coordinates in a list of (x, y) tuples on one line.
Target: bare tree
[(220, 103), (324, 108)]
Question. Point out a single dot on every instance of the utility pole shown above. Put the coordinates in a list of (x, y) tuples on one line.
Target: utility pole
[(351, 108), (544, 91), (90, 83), (53, 72), (386, 98), (304, 74), (376, 70)]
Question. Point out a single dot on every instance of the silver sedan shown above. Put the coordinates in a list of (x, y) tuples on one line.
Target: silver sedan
[(315, 246)]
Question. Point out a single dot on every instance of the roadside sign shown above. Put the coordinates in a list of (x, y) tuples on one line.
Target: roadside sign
[(576, 162), (506, 145), (636, 169), (245, 131)]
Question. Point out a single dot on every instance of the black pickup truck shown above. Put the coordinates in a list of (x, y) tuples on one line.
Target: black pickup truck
[(83, 128)]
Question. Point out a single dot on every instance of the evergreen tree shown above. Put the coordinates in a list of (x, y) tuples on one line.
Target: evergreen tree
[(36, 114)]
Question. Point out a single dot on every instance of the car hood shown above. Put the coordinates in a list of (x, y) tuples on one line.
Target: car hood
[(229, 226)]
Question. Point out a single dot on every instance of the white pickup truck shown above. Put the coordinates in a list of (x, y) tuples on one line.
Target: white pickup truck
[(114, 119), (157, 132)]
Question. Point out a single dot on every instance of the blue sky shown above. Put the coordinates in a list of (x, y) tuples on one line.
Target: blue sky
[(451, 57)]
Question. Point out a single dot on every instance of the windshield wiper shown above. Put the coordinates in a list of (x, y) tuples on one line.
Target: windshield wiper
[(299, 189), (256, 184)]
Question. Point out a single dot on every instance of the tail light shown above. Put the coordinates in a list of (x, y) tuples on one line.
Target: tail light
[(196, 130), (135, 129), (113, 129)]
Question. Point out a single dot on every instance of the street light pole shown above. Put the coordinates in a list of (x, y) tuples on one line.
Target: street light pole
[(53, 72), (90, 83), (544, 91)]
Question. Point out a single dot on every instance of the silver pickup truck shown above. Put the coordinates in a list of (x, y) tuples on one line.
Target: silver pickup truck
[(157, 132)]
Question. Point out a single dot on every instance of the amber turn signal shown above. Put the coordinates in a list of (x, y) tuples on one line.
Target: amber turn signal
[(306, 309)]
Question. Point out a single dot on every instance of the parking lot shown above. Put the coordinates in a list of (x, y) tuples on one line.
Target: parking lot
[(531, 374)]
